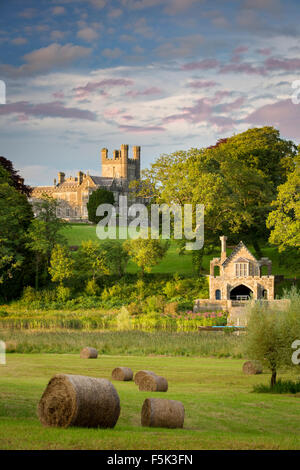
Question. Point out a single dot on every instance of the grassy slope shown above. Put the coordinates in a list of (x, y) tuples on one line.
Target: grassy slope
[(221, 411), (172, 263)]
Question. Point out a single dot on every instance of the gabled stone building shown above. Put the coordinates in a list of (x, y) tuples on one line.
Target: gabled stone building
[(74, 192), (236, 278), (239, 276)]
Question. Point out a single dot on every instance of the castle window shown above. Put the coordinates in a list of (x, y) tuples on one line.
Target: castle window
[(218, 294), (242, 269)]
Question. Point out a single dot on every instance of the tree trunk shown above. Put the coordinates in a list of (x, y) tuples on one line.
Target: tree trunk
[(273, 378)]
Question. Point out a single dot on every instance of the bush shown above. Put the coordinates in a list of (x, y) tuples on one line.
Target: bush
[(123, 320), (281, 386), (92, 288), (63, 293)]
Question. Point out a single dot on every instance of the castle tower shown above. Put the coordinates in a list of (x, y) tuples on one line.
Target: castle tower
[(61, 177), (137, 160), (223, 248), (124, 161)]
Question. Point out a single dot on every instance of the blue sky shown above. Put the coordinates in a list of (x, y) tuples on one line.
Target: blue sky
[(164, 74)]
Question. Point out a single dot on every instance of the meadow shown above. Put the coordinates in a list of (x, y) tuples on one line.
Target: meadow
[(221, 410)]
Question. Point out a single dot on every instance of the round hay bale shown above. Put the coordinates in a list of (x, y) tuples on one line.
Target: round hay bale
[(140, 374), (122, 373), (77, 400), (89, 353), (158, 412), (252, 367), (153, 383)]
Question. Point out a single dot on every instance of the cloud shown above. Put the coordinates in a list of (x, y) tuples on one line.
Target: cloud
[(52, 109), (112, 53), (28, 13), (288, 65), (202, 84), (205, 64), (19, 41), (87, 34), (56, 35), (270, 5), (98, 3), (83, 91), (264, 51), (283, 115), (180, 46), (115, 13), (243, 68), (141, 129), (46, 58), (58, 10), (147, 92)]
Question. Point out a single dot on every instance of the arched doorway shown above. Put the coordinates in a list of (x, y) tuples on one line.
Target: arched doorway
[(240, 292)]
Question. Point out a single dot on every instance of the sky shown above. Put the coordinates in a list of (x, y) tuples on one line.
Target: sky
[(167, 75)]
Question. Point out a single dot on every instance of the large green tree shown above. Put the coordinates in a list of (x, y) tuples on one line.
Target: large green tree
[(15, 217), (284, 220), (146, 252), (98, 197), (236, 180)]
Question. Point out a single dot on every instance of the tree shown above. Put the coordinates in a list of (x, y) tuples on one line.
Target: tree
[(91, 261), (15, 179), (270, 333), (116, 257), (284, 220), (61, 264), (15, 217), (38, 243), (146, 253), (236, 180), (45, 210), (98, 197)]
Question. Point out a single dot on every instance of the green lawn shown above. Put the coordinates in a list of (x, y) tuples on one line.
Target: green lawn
[(221, 410), (172, 263)]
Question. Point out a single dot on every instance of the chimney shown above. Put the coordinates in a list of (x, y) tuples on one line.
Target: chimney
[(61, 177), (79, 177), (223, 248)]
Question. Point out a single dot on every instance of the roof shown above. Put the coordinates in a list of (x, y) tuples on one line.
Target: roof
[(242, 260), (235, 251)]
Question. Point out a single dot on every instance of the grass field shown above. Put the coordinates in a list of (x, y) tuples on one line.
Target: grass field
[(221, 411), (172, 263)]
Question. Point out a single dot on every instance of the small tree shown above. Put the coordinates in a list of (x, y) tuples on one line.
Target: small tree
[(268, 338), (61, 264), (91, 261), (37, 242), (116, 257), (146, 253), (98, 197)]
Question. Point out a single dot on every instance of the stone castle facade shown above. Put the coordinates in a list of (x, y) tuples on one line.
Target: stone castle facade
[(73, 192)]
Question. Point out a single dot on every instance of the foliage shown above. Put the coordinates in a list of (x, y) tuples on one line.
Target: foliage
[(91, 261), (15, 217), (270, 333), (281, 386), (284, 220), (98, 197), (123, 319), (61, 264), (115, 255), (146, 252), (12, 177)]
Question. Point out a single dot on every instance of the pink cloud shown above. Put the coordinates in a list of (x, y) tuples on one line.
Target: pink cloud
[(236, 104), (82, 91), (52, 109), (202, 84), (204, 64), (240, 50), (289, 65), (264, 51), (243, 68), (283, 115), (127, 117), (141, 129), (146, 92), (58, 94)]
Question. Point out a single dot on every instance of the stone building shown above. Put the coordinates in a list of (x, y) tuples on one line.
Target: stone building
[(74, 192), (236, 278)]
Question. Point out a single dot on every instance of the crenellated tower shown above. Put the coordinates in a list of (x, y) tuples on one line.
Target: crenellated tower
[(120, 165)]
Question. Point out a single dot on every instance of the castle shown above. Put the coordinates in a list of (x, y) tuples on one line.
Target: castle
[(74, 192)]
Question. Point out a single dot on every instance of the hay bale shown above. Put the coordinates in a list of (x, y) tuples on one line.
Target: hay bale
[(140, 374), (77, 400), (252, 367), (153, 383), (89, 353), (158, 412), (122, 373)]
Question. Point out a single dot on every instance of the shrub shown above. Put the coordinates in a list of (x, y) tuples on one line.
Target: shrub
[(282, 386), (123, 319), (63, 293), (92, 288)]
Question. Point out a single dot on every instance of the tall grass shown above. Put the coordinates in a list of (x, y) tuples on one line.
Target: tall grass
[(215, 344)]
